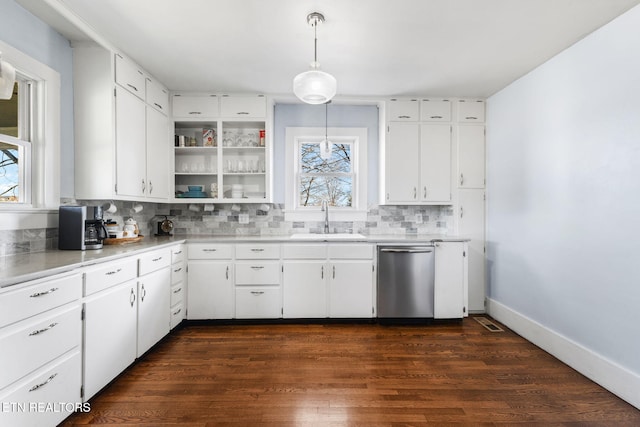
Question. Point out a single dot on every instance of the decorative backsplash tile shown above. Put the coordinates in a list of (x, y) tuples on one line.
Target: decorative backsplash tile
[(222, 220)]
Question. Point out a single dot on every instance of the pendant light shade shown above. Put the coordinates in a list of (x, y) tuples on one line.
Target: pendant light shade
[(315, 86)]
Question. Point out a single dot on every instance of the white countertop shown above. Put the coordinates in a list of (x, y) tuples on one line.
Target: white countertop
[(23, 267)]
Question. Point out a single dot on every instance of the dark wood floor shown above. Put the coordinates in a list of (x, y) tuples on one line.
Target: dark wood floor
[(351, 374)]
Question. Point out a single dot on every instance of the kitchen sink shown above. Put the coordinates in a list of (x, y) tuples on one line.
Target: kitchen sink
[(326, 237)]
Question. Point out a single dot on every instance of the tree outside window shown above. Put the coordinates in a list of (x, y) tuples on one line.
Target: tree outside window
[(329, 179)]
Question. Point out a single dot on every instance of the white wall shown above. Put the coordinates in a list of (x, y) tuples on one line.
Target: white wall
[(20, 29), (564, 198)]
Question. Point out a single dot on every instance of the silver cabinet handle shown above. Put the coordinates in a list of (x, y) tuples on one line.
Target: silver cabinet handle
[(425, 192), (39, 294), (471, 118), (39, 331), (322, 272), (461, 179), (144, 187), (177, 312), (177, 290), (242, 113), (209, 250), (436, 117), (257, 293), (178, 270), (334, 271), (257, 267), (227, 272), (177, 253), (404, 117), (157, 105), (156, 259), (195, 112), (109, 273), (150, 187), (257, 250), (132, 297), (47, 381), (132, 87), (461, 212), (144, 293), (415, 192)]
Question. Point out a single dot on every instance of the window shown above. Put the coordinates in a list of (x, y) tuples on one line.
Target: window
[(339, 178), (15, 144)]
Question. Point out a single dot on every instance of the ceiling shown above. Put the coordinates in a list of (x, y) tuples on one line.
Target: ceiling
[(470, 48)]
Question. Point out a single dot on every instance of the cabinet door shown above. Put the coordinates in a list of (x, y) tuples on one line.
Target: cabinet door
[(471, 151), (258, 302), (450, 275), (435, 163), (304, 289), (157, 96), (471, 224), (351, 289), (243, 106), (157, 158), (153, 308), (402, 169), (130, 145), (403, 110), (435, 110), (130, 77), (109, 335), (195, 106), (210, 293), (470, 111)]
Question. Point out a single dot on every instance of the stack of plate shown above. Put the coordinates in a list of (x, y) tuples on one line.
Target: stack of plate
[(195, 191)]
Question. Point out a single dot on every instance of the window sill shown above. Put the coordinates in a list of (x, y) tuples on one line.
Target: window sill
[(334, 215), (21, 218)]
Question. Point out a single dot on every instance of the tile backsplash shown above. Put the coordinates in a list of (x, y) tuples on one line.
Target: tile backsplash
[(263, 220)]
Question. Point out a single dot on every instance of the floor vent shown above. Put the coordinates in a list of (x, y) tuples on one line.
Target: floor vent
[(488, 324)]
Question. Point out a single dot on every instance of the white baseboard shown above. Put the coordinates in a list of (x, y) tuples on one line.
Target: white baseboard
[(615, 378)]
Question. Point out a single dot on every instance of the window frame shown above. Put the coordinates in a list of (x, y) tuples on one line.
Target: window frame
[(294, 137), (44, 173)]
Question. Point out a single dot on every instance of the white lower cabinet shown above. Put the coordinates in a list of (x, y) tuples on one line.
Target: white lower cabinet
[(210, 294), (258, 302), (178, 285), (304, 289), (153, 308), (451, 270), (351, 288), (109, 335)]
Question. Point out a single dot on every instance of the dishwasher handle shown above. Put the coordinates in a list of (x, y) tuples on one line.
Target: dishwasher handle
[(408, 250)]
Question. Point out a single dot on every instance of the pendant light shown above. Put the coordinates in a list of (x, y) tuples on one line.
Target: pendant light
[(315, 86), (325, 145)]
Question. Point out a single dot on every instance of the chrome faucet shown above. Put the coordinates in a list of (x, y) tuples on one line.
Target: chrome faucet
[(325, 209)]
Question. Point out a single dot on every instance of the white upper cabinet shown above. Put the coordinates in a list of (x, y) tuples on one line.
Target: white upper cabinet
[(157, 155), (402, 162), (130, 77), (432, 110), (403, 110), (471, 156), (471, 111), (435, 163), (157, 96), (195, 106), (243, 107), (130, 145)]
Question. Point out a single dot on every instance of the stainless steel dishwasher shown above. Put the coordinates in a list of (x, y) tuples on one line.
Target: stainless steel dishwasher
[(405, 281)]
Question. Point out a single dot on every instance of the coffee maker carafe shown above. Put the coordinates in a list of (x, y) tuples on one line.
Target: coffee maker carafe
[(81, 227)]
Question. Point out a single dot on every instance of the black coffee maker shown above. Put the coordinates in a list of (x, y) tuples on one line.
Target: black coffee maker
[(81, 227)]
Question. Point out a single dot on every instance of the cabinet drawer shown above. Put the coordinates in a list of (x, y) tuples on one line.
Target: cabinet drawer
[(177, 314), (157, 96), (258, 303), (351, 251), (130, 77), (210, 251), (296, 251), (258, 273), (403, 110), (37, 341), (110, 274), (37, 296), (57, 384), (258, 251), (177, 294), (470, 110), (243, 106), (435, 110), (178, 273), (195, 106), (178, 253), (153, 261)]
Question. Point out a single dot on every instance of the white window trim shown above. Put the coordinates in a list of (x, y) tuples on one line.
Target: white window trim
[(294, 135), (45, 149)]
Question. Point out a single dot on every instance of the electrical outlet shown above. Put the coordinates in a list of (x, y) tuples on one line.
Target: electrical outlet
[(418, 219)]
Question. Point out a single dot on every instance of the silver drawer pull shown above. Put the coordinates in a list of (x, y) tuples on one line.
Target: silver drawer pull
[(404, 117), (257, 250), (242, 112), (109, 273), (132, 297), (177, 312), (39, 294), (178, 270), (47, 381), (436, 117), (257, 267), (157, 105), (257, 292), (195, 112), (132, 87), (177, 253), (177, 290), (471, 118), (156, 259), (209, 250), (39, 331)]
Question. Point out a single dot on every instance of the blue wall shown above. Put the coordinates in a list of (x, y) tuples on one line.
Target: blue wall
[(304, 115), (20, 29)]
